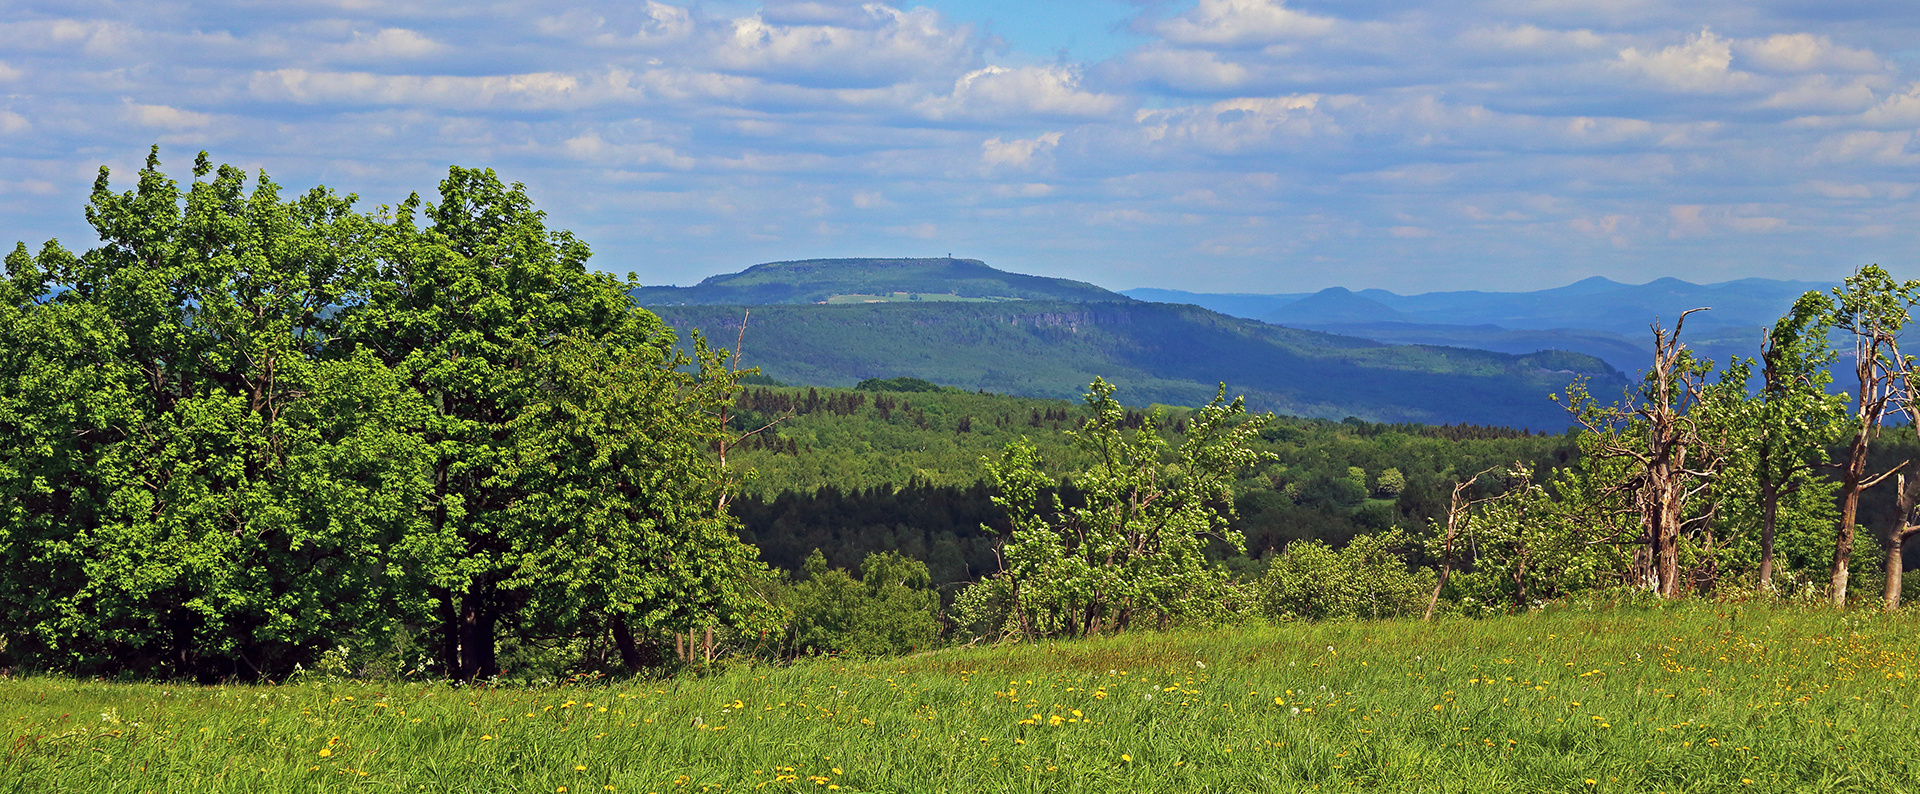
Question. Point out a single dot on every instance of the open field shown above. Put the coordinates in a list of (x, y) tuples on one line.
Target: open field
[(1693, 697)]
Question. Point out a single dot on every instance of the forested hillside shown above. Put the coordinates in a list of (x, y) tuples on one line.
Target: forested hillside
[(1156, 353), (851, 472)]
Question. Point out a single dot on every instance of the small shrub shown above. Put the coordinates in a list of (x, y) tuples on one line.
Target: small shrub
[(1366, 580), (891, 609)]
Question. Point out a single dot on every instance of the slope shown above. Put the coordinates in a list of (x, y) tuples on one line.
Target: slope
[(1595, 316), (1163, 353)]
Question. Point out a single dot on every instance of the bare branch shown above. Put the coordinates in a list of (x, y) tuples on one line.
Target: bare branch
[(1876, 479)]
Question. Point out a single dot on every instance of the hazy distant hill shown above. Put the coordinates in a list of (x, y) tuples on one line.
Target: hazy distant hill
[(1601, 304), (1623, 353), (1155, 352), (1596, 316), (872, 280), (1332, 305), (1238, 304)]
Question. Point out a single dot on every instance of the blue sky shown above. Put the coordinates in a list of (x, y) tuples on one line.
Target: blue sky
[(1215, 145)]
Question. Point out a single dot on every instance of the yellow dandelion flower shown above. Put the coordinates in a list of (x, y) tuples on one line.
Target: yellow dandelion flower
[(324, 752), (1126, 758), (580, 767)]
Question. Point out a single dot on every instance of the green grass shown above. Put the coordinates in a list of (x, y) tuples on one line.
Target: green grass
[(1695, 697)]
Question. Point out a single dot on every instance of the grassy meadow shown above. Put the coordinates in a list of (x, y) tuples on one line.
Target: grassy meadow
[(1686, 698)]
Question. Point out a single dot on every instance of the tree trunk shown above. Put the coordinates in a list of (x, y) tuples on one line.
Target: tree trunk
[(636, 655), (1520, 581), (449, 632), (1769, 517), (1456, 510), (1852, 482), (476, 639), (1870, 408), (1433, 601), (1669, 559), (1843, 544), (1892, 542)]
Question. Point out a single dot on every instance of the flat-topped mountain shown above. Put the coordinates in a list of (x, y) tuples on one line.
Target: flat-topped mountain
[(958, 322), (1155, 352), (872, 281)]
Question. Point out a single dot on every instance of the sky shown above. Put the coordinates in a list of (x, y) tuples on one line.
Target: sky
[(1206, 145)]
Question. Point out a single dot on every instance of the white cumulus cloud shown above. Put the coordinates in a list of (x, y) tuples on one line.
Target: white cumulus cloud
[(1018, 152), (1703, 63), (387, 44), (169, 118), (1241, 23), (1002, 93)]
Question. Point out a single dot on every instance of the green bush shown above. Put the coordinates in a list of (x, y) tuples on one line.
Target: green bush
[(892, 609), (1365, 580)]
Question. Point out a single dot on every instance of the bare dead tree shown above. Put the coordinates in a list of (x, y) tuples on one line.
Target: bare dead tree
[(1873, 308), (1457, 511), (1893, 537), (726, 441), (1675, 457)]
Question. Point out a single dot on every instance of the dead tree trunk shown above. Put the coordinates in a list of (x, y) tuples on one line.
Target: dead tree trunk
[(1870, 409), (1893, 541), (1770, 493), (1872, 307), (1672, 455), (1457, 510)]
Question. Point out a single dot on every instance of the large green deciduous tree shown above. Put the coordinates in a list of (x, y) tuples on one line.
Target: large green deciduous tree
[(570, 480), (1780, 434), (226, 484), (244, 429)]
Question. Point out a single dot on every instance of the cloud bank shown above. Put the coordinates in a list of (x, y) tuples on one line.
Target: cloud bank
[(1245, 145)]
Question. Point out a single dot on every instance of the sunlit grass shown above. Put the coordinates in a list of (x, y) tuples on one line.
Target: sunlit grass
[(1697, 697)]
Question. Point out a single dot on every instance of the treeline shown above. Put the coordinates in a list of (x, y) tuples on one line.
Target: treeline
[(876, 479)]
